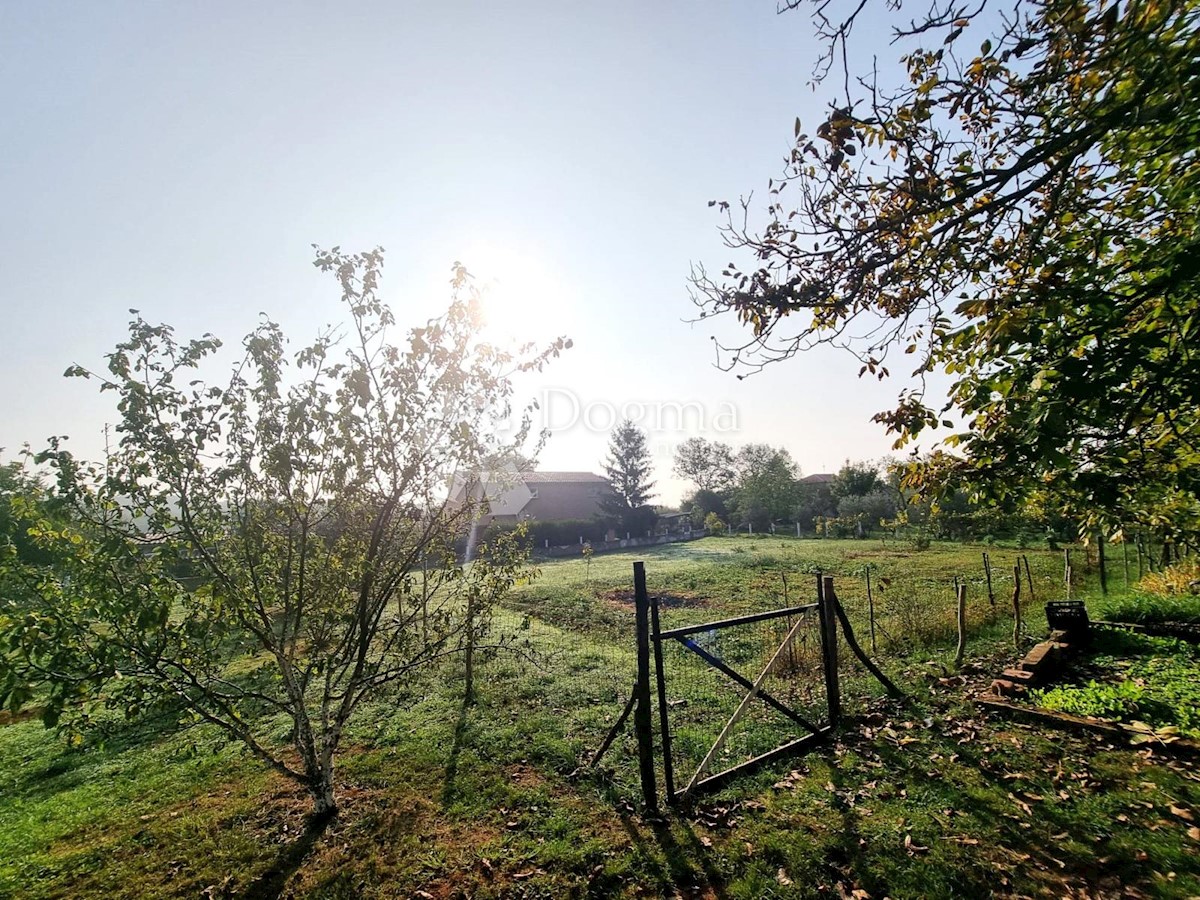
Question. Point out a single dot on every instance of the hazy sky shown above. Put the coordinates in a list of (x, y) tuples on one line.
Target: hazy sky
[(181, 158)]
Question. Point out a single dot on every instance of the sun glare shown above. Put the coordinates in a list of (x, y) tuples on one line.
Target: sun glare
[(523, 299)]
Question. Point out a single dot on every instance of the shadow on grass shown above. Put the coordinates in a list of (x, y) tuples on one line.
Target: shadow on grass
[(680, 872), (450, 782), (270, 885), (997, 788)]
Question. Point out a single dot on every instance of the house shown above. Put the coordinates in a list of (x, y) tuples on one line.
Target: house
[(542, 496), (819, 478)]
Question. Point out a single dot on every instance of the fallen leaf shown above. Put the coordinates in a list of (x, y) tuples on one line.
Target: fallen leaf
[(911, 847), (1021, 803)]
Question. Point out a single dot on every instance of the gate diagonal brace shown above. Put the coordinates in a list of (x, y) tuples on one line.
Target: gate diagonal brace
[(745, 682), (754, 691), (616, 728)]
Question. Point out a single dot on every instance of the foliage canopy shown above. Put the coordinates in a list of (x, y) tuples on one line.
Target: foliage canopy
[(709, 465), (1018, 211)]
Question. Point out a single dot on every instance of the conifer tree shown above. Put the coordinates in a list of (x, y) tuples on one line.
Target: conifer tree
[(629, 469)]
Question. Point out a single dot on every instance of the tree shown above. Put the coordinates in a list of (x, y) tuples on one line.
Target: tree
[(813, 501), (856, 480), (766, 485), (25, 507), (707, 464), (311, 497), (867, 510), (24, 501), (1020, 211), (628, 467), (703, 504)]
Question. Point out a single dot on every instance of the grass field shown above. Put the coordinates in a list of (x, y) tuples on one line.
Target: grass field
[(493, 800)]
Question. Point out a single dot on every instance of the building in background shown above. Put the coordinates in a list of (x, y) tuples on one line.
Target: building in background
[(541, 496)]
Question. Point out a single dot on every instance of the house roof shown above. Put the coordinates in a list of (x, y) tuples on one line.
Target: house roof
[(562, 478), (819, 478)]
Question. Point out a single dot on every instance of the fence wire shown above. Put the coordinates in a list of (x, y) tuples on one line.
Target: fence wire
[(701, 698), (572, 653)]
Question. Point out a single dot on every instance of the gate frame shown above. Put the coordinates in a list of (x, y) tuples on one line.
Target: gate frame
[(650, 636), (828, 631)]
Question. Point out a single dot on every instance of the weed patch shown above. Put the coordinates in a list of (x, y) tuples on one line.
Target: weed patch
[(1133, 678)]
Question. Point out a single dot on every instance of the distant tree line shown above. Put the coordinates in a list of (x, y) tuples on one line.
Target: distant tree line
[(759, 488)]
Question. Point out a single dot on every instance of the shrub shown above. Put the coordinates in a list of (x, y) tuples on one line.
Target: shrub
[(560, 533), (1176, 579), (1146, 609), (919, 540)]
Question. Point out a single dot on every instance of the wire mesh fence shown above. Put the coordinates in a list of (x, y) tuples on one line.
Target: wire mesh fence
[(702, 697), (572, 652)]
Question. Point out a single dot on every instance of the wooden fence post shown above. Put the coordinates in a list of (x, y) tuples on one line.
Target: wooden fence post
[(1028, 578), (642, 722), (835, 606), (987, 571), (829, 650), (1016, 602), (962, 627), (1100, 557)]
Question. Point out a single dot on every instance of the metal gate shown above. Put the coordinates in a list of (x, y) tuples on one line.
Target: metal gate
[(741, 678)]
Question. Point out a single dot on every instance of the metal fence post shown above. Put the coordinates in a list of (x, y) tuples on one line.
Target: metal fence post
[(642, 722), (663, 720)]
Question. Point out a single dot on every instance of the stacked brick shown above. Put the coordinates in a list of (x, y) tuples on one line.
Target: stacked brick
[(1037, 667)]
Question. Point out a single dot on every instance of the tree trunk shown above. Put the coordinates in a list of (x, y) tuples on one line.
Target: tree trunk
[(320, 788), (469, 655), (1100, 541)]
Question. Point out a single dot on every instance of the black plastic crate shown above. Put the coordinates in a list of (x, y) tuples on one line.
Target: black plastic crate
[(1069, 616)]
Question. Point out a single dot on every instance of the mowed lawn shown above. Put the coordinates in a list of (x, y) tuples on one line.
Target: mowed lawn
[(927, 799)]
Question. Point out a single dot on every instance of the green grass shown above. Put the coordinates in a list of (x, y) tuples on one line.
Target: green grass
[(1153, 609), (930, 800), (720, 576), (1133, 678)]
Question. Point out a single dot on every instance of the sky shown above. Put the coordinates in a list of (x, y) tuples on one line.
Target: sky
[(181, 159)]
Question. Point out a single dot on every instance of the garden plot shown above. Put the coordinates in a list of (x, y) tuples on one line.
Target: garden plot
[(1134, 679)]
